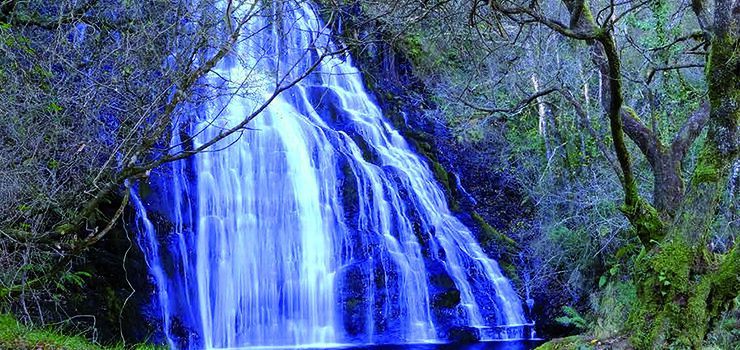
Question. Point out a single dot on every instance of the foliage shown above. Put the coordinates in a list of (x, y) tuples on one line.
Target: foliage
[(726, 334), (572, 318), (15, 335)]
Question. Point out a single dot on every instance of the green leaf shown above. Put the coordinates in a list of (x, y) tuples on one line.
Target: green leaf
[(54, 107), (602, 281), (74, 279), (624, 250)]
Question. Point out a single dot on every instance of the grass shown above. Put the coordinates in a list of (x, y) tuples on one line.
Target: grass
[(16, 336)]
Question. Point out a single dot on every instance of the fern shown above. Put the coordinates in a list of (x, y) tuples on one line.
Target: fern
[(572, 318)]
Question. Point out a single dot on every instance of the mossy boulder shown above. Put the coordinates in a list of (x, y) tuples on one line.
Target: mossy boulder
[(579, 342)]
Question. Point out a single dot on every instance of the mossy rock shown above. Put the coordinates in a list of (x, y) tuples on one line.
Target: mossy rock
[(580, 342)]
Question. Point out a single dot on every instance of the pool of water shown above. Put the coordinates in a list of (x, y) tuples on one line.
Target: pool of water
[(492, 345)]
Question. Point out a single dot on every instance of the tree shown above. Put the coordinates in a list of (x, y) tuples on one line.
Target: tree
[(94, 92), (682, 286)]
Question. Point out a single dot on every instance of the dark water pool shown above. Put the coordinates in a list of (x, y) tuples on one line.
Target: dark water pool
[(493, 345), (497, 345)]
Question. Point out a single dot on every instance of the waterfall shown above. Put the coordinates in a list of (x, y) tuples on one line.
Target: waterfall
[(318, 225)]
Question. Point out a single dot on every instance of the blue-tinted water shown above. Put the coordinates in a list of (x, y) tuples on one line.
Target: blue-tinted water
[(493, 345), (319, 225)]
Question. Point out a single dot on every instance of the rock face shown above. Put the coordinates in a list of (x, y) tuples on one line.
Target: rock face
[(117, 293), (486, 200)]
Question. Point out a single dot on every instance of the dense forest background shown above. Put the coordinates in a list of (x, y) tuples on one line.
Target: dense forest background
[(527, 104)]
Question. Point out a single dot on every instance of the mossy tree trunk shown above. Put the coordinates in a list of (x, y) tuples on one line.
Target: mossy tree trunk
[(682, 286)]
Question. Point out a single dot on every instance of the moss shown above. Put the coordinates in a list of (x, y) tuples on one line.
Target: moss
[(646, 221), (425, 149), (673, 295), (574, 342), (440, 173), (491, 240), (491, 235), (674, 262), (706, 170), (510, 270), (726, 284)]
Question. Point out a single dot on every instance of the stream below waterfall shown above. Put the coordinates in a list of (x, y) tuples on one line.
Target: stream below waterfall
[(492, 345)]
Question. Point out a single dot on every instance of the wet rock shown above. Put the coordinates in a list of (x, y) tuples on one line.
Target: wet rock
[(464, 334), (353, 279), (448, 299)]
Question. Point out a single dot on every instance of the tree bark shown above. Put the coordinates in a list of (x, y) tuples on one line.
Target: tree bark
[(681, 286)]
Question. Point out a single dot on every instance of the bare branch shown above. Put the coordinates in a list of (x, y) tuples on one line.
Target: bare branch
[(93, 237), (599, 141), (7, 12), (517, 108), (579, 33), (660, 69), (137, 170), (690, 131), (697, 36), (701, 16), (625, 13)]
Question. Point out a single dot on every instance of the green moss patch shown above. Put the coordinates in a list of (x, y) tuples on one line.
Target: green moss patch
[(16, 336)]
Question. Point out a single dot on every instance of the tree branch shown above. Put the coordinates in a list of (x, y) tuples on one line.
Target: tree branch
[(93, 237), (7, 10), (599, 142), (517, 108), (614, 113), (690, 131), (660, 69), (643, 216), (557, 26), (138, 170), (640, 134), (697, 35), (701, 17)]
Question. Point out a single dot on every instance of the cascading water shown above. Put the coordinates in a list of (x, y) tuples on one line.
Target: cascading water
[(317, 226)]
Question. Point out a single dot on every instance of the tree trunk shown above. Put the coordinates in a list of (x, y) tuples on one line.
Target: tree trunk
[(681, 286), (542, 120), (668, 185)]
